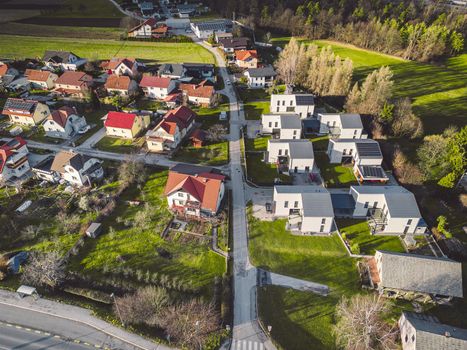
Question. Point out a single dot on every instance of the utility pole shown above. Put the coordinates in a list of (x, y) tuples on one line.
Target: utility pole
[(118, 310)]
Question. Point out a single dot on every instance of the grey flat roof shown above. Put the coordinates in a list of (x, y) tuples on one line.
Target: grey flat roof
[(351, 121), (420, 273), (220, 24), (432, 335), (342, 201), (298, 149), (400, 202), (316, 199), (267, 71), (290, 121)]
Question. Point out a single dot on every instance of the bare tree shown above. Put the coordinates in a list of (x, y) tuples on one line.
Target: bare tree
[(145, 306), (190, 323), (405, 122), (131, 170), (361, 324), (405, 171), (44, 270), (31, 231), (216, 133), (287, 62), (67, 223)]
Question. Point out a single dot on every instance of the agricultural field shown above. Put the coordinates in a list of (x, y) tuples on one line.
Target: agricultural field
[(29, 47)]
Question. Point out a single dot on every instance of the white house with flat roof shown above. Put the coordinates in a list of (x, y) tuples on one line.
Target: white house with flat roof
[(308, 208), (292, 156), (391, 209), (364, 154), (301, 104), (282, 126), (203, 30), (341, 125)]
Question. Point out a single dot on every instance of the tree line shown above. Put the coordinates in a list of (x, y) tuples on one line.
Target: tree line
[(408, 28)]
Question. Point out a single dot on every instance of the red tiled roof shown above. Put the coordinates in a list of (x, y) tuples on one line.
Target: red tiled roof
[(3, 69), (37, 75), (61, 115), (160, 30), (197, 90), (115, 62), (151, 22), (73, 78), (204, 189), (120, 120), (155, 82), (172, 97), (182, 115), (118, 82), (198, 135), (243, 55), (6, 150), (169, 127)]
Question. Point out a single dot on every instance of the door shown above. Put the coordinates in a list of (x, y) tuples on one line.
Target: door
[(295, 170)]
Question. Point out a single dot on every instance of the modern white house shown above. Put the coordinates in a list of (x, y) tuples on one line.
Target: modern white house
[(426, 332), (341, 125), (204, 30), (64, 60), (301, 104), (14, 162), (25, 112), (64, 123), (262, 77), (291, 156), (364, 154), (390, 209), (157, 87), (307, 207), (282, 126), (77, 169)]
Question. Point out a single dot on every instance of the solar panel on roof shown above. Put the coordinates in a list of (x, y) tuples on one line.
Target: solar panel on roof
[(304, 99), (23, 105), (368, 149), (371, 171)]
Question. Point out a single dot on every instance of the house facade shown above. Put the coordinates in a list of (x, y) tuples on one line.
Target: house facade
[(301, 104), (291, 156), (171, 70), (25, 112), (143, 30), (342, 125), (74, 84), (122, 66), (6, 69), (195, 195), (260, 77), (246, 58), (125, 125), (157, 87), (77, 169), (14, 162), (308, 208), (203, 30), (171, 130), (63, 60), (391, 209), (230, 45), (121, 85), (200, 94), (64, 123), (41, 79), (282, 126)]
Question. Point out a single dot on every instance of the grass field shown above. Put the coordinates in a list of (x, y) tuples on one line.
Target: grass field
[(301, 320), (334, 175), (262, 173), (213, 154), (255, 103), (257, 144), (30, 47), (86, 9), (358, 232), (118, 145)]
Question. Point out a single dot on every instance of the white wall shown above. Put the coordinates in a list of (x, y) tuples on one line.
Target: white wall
[(313, 224), (408, 334), (281, 208), (303, 165), (286, 104)]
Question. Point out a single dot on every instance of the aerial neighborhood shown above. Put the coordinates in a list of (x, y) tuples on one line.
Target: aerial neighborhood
[(209, 181)]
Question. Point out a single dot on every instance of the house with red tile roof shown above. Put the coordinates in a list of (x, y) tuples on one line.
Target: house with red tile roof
[(64, 123), (25, 112), (41, 79), (122, 66), (125, 125), (143, 30), (199, 94), (6, 69), (120, 85), (198, 138), (246, 58), (73, 83), (160, 31), (198, 195), (157, 87), (171, 130), (14, 161)]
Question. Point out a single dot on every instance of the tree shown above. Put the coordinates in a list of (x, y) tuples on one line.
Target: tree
[(44, 270), (287, 62), (457, 158), (145, 306), (131, 170), (442, 223), (190, 323), (216, 133), (361, 324), (433, 157), (405, 122), (406, 172), (67, 223)]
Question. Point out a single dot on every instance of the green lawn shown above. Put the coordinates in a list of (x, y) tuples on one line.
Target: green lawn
[(257, 144), (358, 232), (86, 9), (212, 154), (191, 262), (301, 320), (255, 102), (262, 173), (30, 47), (320, 143), (118, 145), (334, 175)]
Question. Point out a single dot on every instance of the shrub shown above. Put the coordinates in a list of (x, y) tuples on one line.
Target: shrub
[(355, 248)]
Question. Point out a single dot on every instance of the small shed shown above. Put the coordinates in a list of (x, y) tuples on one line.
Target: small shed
[(198, 138), (24, 291), (94, 230)]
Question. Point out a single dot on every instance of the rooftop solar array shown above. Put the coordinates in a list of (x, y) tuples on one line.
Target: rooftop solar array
[(19, 104), (369, 171), (368, 150), (304, 100), (214, 25)]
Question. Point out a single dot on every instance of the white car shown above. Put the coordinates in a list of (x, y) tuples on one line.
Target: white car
[(228, 82)]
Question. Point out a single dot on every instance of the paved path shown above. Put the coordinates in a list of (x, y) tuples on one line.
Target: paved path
[(69, 322), (267, 277), (95, 138)]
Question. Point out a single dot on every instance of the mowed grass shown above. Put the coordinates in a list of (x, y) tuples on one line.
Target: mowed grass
[(301, 320), (334, 175), (257, 144), (12, 46), (86, 9), (262, 173), (212, 154), (358, 231), (255, 103), (119, 145)]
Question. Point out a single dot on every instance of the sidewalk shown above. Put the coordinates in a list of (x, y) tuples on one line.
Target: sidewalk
[(79, 315)]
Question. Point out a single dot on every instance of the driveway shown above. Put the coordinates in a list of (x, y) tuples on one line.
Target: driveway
[(259, 197)]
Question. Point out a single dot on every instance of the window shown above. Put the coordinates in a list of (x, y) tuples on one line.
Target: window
[(74, 178), (286, 204), (350, 151), (366, 204), (280, 152), (409, 222), (406, 338), (295, 132), (276, 124), (323, 221), (283, 103), (290, 109), (375, 205), (180, 194), (321, 229), (270, 124), (277, 110), (295, 204), (278, 103), (291, 102), (286, 152), (344, 151), (413, 337), (355, 132)]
